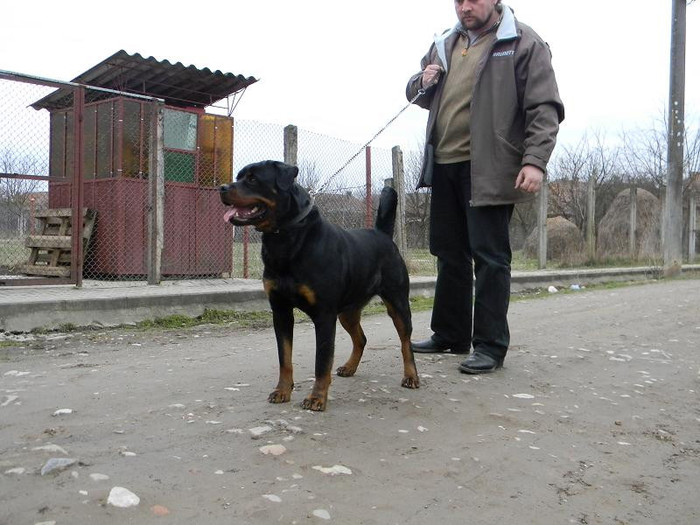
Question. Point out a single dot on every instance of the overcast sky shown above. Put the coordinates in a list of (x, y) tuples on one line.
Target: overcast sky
[(340, 68)]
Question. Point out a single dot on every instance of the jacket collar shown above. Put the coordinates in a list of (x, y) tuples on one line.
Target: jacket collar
[(507, 30)]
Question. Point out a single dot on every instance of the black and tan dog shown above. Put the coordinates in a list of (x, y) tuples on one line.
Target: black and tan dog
[(327, 272)]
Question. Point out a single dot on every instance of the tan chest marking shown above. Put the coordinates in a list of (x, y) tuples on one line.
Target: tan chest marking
[(307, 293)]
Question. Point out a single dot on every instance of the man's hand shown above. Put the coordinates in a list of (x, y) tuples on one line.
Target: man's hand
[(529, 179), (431, 75)]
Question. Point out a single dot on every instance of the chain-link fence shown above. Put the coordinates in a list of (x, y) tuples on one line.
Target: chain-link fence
[(24, 182), (149, 184), (92, 189), (101, 184), (345, 179)]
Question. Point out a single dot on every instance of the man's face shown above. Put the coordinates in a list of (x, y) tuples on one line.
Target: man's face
[(476, 14)]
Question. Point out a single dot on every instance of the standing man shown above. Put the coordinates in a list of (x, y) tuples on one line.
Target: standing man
[(494, 116)]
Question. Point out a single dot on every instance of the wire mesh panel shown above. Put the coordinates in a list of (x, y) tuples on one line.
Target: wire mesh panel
[(150, 176), (344, 178), (114, 149), (24, 175)]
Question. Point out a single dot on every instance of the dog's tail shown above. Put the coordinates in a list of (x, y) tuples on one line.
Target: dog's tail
[(386, 214)]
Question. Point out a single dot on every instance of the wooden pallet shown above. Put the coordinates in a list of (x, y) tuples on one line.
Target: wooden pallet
[(51, 249)]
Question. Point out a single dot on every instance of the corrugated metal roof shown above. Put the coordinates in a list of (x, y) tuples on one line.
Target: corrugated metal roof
[(177, 84)]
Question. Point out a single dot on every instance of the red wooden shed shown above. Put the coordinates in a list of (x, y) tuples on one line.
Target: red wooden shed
[(197, 158)]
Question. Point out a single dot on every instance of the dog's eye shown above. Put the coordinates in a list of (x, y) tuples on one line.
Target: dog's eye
[(252, 179)]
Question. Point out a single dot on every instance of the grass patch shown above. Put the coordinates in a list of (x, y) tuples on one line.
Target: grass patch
[(215, 317), (256, 320), (263, 319)]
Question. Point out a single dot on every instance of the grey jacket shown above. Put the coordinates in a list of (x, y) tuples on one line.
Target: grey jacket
[(515, 110)]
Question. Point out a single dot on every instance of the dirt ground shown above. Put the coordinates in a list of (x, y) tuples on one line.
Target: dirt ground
[(594, 419)]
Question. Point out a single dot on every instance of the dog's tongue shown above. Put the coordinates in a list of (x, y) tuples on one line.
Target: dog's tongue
[(229, 214), (240, 213)]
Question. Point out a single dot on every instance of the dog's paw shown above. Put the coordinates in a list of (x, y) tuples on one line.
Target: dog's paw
[(410, 382), (315, 403), (346, 371), (279, 396)]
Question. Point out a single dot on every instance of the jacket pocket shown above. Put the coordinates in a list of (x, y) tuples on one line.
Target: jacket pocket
[(508, 153)]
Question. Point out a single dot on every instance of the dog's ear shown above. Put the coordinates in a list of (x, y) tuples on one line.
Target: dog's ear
[(286, 176)]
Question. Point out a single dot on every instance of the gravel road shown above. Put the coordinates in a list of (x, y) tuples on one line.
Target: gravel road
[(594, 419)]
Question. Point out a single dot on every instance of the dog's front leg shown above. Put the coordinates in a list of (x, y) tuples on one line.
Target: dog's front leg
[(283, 321), (324, 326)]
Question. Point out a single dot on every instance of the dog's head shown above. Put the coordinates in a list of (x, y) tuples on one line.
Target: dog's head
[(265, 196)]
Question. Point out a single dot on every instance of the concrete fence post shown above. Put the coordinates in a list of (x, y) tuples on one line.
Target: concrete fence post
[(692, 226), (400, 187), (78, 191), (156, 197), (662, 199), (291, 144), (633, 223), (590, 219), (542, 226)]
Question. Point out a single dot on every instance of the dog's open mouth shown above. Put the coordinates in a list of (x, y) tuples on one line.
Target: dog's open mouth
[(242, 215)]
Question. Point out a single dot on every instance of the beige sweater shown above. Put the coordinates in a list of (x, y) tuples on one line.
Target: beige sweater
[(452, 137)]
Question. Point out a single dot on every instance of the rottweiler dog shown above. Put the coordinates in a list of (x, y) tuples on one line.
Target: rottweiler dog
[(325, 271)]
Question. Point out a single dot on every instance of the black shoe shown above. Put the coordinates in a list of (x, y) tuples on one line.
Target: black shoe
[(436, 346), (479, 363)]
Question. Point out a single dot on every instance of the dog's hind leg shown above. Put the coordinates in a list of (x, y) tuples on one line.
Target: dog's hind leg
[(283, 321), (351, 322), (399, 310), (324, 326)]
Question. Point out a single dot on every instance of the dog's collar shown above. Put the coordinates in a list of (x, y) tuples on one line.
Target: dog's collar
[(299, 217)]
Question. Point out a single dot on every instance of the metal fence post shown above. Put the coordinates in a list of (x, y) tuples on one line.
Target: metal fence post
[(368, 187), (291, 145), (542, 226), (400, 187), (156, 197)]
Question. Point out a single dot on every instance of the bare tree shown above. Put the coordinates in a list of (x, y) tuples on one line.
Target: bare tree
[(571, 168), (644, 154), (310, 176), (692, 149), (592, 158), (15, 192)]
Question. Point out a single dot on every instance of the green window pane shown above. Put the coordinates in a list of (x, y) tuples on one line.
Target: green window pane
[(179, 167)]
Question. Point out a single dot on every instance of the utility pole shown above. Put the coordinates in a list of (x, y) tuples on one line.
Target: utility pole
[(673, 254)]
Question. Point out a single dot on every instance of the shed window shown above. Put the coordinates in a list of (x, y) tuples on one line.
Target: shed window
[(179, 130), (180, 142)]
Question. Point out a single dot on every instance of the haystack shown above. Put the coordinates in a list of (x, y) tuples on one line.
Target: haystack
[(614, 228), (565, 243)]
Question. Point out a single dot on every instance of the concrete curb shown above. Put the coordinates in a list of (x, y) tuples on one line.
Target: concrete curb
[(50, 307)]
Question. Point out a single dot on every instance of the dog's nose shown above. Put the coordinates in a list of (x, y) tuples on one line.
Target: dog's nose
[(223, 188)]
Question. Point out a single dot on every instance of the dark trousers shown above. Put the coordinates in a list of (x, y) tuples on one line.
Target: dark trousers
[(472, 246)]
